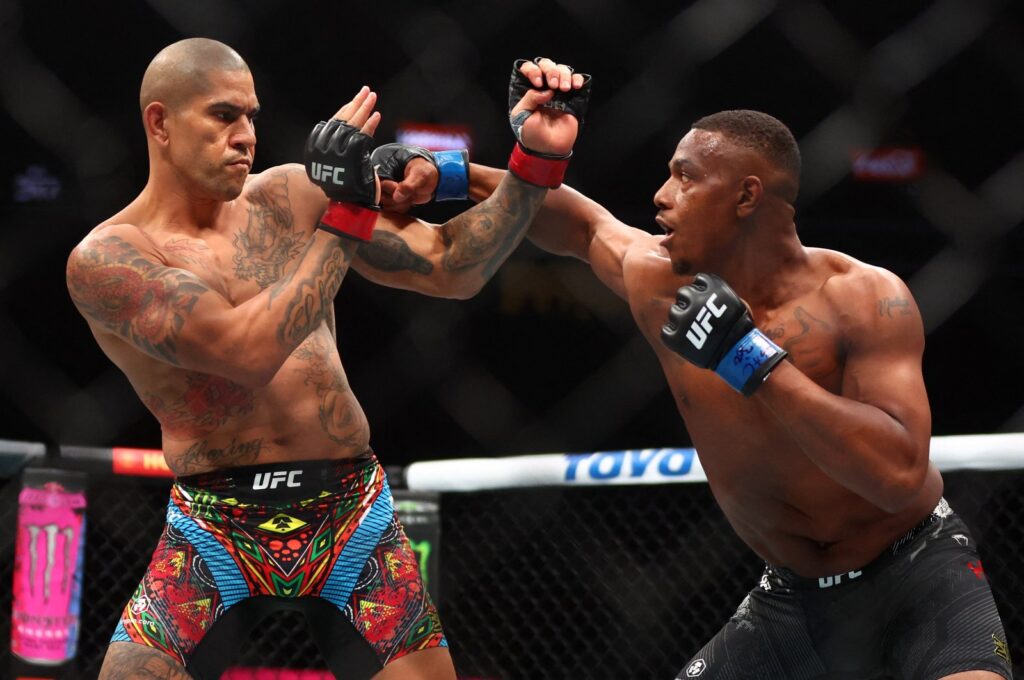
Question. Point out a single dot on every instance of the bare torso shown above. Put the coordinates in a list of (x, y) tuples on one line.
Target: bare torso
[(778, 501), (307, 410)]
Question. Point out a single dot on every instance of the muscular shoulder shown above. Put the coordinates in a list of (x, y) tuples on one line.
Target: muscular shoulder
[(862, 297), (114, 235)]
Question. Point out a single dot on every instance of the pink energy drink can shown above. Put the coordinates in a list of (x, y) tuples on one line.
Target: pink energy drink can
[(48, 560)]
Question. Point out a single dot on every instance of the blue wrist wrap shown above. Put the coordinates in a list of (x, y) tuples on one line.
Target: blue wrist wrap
[(749, 362), (453, 175)]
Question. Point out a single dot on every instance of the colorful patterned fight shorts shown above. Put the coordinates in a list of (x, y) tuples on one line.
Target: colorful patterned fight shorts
[(319, 537)]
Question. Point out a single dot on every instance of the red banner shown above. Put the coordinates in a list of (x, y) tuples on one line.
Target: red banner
[(140, 463)]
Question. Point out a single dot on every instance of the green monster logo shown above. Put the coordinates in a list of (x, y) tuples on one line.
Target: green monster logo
[(422, 550)]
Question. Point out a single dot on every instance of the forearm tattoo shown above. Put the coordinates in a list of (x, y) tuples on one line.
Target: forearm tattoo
[(268, 242), (143, 302), (390, 253), (488, 232), (313, 295)]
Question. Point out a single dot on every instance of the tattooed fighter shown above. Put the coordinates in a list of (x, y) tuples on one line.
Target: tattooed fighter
[(798, 373), (213, 292)]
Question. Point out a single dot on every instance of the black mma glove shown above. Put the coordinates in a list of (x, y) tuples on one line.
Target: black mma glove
[(541, 169), (452, 167), (337, 160), (710, 327)]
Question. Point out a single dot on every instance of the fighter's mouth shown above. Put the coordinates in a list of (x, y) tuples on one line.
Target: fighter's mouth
[(668, 229)]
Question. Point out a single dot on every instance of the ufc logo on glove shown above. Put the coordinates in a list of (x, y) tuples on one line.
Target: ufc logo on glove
[(701, 326), (326, 173)]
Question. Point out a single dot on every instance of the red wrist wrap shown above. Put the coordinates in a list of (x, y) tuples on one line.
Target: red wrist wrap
[(349, 220), (543, 172)]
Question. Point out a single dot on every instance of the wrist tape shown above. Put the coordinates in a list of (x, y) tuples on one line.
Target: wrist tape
[(453, 175), (749, 362), (539, 170), (350, 220)]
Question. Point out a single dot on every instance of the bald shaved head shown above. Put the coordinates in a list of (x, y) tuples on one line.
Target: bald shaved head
[(181, 70)]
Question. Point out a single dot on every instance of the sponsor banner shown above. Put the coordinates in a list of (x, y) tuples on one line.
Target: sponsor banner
[(664, 466), (140, 462), (48, 564), (633, 466)]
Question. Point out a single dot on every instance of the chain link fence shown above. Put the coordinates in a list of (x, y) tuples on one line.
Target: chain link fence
[(606, 583)]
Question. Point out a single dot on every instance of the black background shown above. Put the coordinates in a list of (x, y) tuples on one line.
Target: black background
[(544, 359)]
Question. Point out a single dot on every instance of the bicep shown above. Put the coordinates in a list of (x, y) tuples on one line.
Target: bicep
[(883, 360), (155, 308)]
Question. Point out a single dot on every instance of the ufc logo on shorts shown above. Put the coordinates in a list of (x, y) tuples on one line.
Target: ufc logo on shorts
[(271, 480), (327, 173), (829, 581), (701, 326)]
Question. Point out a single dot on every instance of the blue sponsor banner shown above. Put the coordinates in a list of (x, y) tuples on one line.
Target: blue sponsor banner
[(632, 465)]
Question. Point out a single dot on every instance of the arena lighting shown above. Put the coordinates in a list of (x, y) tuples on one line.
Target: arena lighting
[(893, 164), (433, 136)]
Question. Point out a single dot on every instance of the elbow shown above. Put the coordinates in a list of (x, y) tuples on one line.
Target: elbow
[(249, 375), (252, 367), (464, 292), (254, 379), (461, 287), (902, 487), (257, 371)]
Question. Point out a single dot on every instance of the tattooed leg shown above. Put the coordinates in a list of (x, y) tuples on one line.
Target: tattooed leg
[(132, 661)]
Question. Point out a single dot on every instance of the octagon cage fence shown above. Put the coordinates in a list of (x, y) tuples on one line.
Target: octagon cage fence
[(607, 565)]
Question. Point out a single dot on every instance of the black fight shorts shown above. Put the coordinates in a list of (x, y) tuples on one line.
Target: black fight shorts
[(921, 610)]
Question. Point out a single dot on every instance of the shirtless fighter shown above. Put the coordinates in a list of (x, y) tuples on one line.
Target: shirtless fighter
[(213, 292), (798, 373)]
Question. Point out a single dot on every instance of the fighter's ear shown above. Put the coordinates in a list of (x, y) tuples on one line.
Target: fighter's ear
[(154, 119), (750, 194)]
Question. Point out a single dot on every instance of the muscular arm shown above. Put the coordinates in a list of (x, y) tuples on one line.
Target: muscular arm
[(124, 289), (457, 258), (569, 223), (873, 438)]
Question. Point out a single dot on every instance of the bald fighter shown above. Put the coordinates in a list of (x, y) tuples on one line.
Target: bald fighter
[(798, 374), (212, 291)]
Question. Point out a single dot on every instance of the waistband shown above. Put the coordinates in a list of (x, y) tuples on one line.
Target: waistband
[(793, 580), (285, 480)]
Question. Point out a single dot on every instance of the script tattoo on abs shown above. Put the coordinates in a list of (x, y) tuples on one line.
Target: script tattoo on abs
[(201, 456), (143, 302), (339, 416), (268, 242)]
